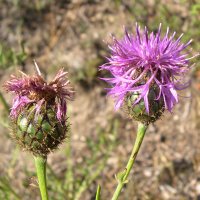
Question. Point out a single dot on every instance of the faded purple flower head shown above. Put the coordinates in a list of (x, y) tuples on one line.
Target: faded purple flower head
[(35, 90), (147, 53)]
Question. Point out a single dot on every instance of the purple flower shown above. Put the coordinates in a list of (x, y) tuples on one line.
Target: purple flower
[(35, 90), (147, 53)]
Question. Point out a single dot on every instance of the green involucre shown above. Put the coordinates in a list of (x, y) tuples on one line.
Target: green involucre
[(138, 111), (40, 134)]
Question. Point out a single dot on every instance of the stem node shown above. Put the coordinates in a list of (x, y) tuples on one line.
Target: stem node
[(122, 176)]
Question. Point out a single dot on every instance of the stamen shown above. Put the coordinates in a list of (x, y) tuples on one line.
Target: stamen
[(37, 68)]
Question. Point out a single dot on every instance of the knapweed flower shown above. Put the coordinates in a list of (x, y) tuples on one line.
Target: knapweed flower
[(38, 114), (147, 72)]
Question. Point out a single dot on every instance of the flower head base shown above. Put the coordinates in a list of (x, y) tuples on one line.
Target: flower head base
[(134, 57), (138, 111), (39, 111)]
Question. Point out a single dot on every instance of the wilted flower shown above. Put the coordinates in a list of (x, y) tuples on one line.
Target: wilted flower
[(39, 111), (147, 72)]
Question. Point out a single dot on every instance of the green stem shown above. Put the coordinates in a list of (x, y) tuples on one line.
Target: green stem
[(4, 103), (41, 162), (122, 178)]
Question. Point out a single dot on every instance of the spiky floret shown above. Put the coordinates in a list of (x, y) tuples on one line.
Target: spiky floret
[(36, 90), (147, 53), (38, 115)]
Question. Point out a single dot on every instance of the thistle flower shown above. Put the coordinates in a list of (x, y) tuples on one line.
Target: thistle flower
[(38, 115), (147, 72)]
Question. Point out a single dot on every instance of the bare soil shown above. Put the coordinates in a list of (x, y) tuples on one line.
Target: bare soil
[(69, 34)]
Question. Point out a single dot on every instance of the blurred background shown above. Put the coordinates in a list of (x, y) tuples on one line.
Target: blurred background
[(70, 34)]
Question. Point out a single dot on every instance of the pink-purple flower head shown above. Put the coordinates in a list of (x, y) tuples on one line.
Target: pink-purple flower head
[(35, 90), (147, 53)]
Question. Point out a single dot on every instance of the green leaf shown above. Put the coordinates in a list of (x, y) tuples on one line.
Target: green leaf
[(120, 176), (98, 193)]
